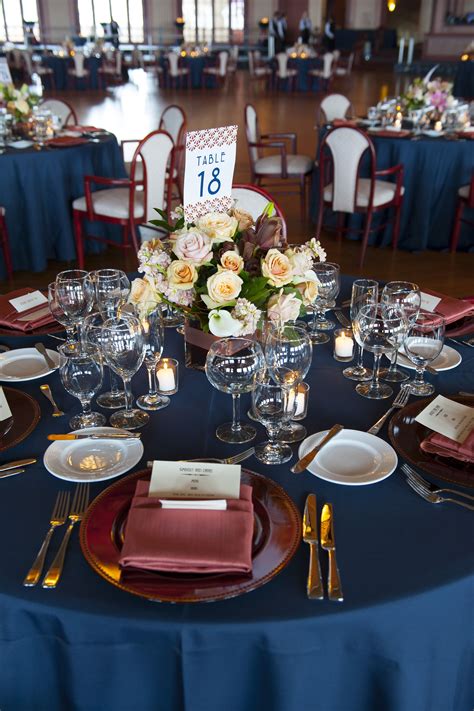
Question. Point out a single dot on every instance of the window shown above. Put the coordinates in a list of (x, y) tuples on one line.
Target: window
[(13, 15), (128, 14), (213, 20)]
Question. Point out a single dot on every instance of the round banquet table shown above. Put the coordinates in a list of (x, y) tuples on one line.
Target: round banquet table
[(60, 67), (304, 81), (434, 170), (401, 641), (37, 189)]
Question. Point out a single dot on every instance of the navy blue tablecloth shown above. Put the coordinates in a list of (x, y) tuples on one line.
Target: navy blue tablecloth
[(37, 189), (434, 170), (304, 81), (401, 641), (464, 80), (60, 66)]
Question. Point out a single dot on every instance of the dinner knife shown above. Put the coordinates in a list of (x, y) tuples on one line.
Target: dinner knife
[(328, 543), (11, 472), (86, 435), (16, 464), (308, 458), (49, 361), (314, 586)]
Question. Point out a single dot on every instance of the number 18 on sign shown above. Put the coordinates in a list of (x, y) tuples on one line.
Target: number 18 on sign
[(210, 161)]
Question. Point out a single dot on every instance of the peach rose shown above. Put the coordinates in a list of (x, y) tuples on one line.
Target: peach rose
[(243, 217), (142, 292), (218, 226), (232, 261), (308, 290), (193, 246), (224, 286), (276, 267), (182, 275)]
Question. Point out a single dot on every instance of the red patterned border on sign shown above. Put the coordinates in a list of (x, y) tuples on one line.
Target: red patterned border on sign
[(197, 209), (211, 137)]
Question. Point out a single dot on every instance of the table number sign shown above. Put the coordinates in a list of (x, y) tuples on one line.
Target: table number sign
[(448, 418), (210, 161), (5, 76), (5, 412)]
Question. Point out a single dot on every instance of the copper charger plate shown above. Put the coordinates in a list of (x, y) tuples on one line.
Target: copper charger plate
[(277, 534), (26, 414), (406, 436)]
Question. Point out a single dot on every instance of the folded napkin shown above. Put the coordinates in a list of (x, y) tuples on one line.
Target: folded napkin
[(79, 129), (445, 447), (10, 318), (343, 122), (450, 308), (66, 141), (188, 541), (387, 133)]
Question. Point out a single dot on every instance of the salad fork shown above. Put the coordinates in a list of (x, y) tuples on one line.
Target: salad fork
[(428, 486), (435, 498), (400, 401), (58, 518)]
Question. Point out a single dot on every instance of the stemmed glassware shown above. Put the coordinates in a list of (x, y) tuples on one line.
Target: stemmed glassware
[(232, 366), (92, 332), (364, 292), (124, 351), (111, 287), (328, 278), (151, 319), (379, 329), (274, 405), (424, 343), (58, 312), (407, 295), (80, 370), (75, 295)]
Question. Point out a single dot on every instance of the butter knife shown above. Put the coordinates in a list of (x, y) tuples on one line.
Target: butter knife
[(10, 472), (16, 464), (329, 544), (314, 586), (49, 361), (308, 458), (85, 435)]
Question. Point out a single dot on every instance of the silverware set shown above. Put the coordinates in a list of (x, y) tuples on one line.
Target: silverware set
[(314, 586), (431, 493), (13, 468), (61, 513)]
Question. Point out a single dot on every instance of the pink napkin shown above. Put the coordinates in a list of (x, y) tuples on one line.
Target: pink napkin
[(402, 133), (343, 122), (450, 308), (10, 318), (193, 541), (445, 447)]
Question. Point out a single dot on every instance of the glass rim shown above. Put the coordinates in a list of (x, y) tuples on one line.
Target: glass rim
[(76, 350)]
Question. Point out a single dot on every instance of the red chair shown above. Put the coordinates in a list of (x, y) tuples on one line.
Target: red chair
[(5, 244), (254, 200), (62, 109), (465, 199), (343, 190), (121, 203)]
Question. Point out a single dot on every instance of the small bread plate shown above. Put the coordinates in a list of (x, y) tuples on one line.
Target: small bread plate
[(431, 133), (448, 359), (92, 460), (352, 457), (24, 364)]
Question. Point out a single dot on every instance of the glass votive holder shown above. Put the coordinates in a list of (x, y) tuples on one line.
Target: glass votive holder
[(302, 397), (167, 373), (343, 345)]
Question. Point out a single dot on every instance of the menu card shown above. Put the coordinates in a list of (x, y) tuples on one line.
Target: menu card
[(448, 418), (28, 301), (195, 480), (5, 412)]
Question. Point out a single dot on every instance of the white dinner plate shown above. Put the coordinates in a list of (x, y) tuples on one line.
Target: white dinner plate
[(433, 134), (21, 144), (352, 457), (23, 364), (448, 358), (92, 459)]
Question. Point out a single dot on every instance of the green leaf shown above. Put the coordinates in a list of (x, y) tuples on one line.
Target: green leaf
[(164, 225)]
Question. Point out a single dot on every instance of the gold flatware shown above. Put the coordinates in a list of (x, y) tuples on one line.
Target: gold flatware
[(49, 361), (314, 586), (235, 459), (87, 435), (16, 464), (328, 543), (11, 472), (46, 390), (58, 518), (308, 458)]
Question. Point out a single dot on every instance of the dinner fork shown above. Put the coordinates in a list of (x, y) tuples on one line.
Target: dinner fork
[(428, 486), (400, 401), (235, 459), (434, 498), (78, 509), (58, 518)]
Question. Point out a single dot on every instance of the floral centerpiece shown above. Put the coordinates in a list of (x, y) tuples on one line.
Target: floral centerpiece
[(436, 94), (19, 102), (227, 270)]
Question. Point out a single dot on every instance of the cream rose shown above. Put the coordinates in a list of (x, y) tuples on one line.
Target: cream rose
[(142, 291), (276, 267), (300, 259), (308, 290), (232, 261), (283, 307), (224, 286), (182, 275), (218, 226), (193, 246), (244, 218)]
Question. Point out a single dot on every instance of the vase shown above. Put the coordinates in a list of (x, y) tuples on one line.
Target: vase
[(196, 345), (21, 129)]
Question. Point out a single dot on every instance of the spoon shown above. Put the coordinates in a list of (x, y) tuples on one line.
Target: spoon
[(46, 390)]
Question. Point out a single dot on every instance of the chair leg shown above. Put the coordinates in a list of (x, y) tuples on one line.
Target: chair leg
[(303, 196), (77, 222), (396, 225), (453, 242), (6, 247), (365, 237)]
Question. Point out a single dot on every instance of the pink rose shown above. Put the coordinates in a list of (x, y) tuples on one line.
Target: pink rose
[(193, 246)]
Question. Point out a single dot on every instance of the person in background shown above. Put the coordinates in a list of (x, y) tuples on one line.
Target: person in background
[(305, 28), (274, 31), (330, 35), (113, 33), (282, 29)]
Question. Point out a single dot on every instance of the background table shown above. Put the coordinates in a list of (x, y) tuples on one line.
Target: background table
[(60, 67), (434, 170), (304, 81), (464, 80), (401, 641), (37, 189)]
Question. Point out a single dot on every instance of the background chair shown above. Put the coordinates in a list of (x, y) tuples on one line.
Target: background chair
[(121, 203), (343, 190), (176, 74), (324, 75), (254, 200), (61, 109), (219, 72), (5, 244), (79, 73), (283, 73), (334, 106), (257, 69), (344, 65), (465, 199), (111, 70), (290, 169)]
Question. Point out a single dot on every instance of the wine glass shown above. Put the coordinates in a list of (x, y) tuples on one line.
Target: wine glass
[(151, 319), (58, 312), (379, 329), (288, 354), (232, 366), (124, 351), (80, 370), (424, 343), (364, 291), (328, 278), (274, 405), (111, 287), (92, 332), (407, 295), (75, 294)]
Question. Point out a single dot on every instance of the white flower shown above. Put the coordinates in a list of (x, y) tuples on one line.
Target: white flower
[(218, 225), (248, 315), (177, 213), (301, 259), (283, 307), (222, 288), (222, 323), (317, 249)]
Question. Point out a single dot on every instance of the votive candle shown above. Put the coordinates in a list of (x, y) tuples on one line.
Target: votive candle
[(343, 344), (167, 376)]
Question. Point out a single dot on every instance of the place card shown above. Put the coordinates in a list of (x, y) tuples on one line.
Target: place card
[(194, 504), (429, 302), (448, 418), (5, 412), (28, 301), (195, 480), (209, 171)]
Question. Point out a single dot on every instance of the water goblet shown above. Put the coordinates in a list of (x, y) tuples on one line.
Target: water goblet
[(80, 370), (75, 294), (364, 291), (124, 351), (424, 343), (274, 405), (232, 366), (328, 279), (111, 288), (407, 295), (151, 319), (58, 312), (93, 332)]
